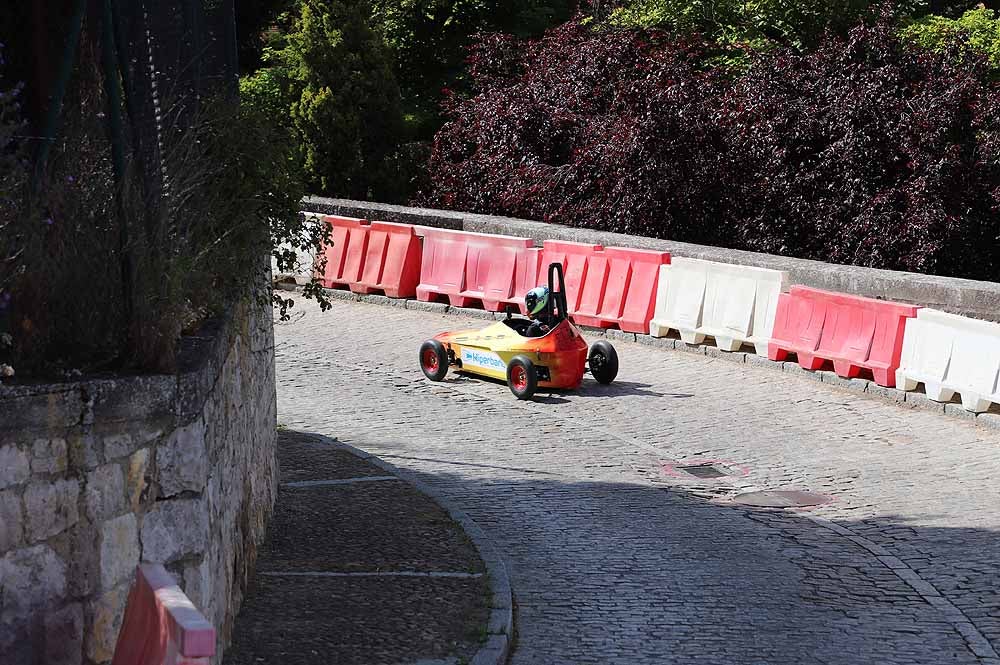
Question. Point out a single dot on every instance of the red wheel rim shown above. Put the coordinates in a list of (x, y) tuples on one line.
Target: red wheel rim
[(430, 360), (518, 378)]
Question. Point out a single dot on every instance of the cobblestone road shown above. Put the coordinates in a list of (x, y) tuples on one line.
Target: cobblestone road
[(615, 559)]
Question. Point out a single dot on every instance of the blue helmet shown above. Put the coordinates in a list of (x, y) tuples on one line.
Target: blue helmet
[(536, 299)]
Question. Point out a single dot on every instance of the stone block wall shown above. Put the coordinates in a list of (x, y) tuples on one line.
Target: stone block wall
[(98, 475)]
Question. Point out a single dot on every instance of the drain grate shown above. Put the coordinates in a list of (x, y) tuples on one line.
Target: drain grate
[(704, 471), (781, 499)]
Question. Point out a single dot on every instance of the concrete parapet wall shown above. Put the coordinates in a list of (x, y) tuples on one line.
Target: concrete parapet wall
[(98, 475), (960, 296)]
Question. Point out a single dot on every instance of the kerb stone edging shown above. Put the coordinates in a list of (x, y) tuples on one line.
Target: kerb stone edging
[(960, 296), (501, 622)]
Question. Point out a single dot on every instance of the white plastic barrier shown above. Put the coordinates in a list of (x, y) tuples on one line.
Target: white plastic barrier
[(734, 304), (951, 354)]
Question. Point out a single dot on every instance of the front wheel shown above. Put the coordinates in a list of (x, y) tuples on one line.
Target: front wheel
[(603, 361), (521, 377), (433, 360)]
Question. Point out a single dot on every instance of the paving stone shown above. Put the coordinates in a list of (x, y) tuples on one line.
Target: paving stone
[(470, 312), (731, 356), (854, 385), (958, 411), (438, 307), (659, 342), (613, 561), (340, 294), (989, 420), (921, 401), (385, 301), (762, 361), (620, 335), (793, 368), (890, 394)]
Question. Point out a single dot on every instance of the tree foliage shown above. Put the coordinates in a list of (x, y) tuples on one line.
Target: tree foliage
[(979, 27), (760, 23), (865, 150), (344, 100)]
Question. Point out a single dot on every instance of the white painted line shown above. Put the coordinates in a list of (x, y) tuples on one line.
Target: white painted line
[(388, 573), (340, 481)]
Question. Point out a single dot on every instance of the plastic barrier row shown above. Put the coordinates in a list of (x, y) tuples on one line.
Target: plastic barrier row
[(734, 304), (366, 258), (852, 332), (469, 268), (952, 354), (644, 291), (608, 287), (161, 626)]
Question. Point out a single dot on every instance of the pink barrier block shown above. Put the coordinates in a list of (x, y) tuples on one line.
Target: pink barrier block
[(345, 257), (490, 270), (392, 261), (851, 332), (442, 264), (573, 256), (620, 288), (527, 275), (161, 626)]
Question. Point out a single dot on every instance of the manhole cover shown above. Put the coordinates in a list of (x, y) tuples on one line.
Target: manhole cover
[(781, 499), (703, 470)]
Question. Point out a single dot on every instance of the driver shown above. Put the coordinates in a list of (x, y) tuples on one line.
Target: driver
[(536, 301)]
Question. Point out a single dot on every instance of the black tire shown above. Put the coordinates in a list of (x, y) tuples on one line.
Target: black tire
[(433, 360), (603, 361), (521, 377)]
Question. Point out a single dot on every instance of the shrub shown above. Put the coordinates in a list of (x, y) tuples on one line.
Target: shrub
[(759, 23), (979, 27), (611, 130), (868, 152), (429, 38), (98, 275)]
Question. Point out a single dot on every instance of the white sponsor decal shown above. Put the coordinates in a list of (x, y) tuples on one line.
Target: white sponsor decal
[(484, 359)]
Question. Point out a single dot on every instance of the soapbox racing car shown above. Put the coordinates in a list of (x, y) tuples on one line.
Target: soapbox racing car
[(558, 359)]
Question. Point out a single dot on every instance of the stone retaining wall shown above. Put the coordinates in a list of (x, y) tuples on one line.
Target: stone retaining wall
[(98, 475), (961, 296)]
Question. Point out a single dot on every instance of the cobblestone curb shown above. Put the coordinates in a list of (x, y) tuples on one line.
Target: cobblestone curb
[(910, 400), (501, 623)]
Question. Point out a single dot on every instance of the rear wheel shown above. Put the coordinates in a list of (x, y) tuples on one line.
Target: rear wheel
[(433, 360), (603, 361), (521, 377)]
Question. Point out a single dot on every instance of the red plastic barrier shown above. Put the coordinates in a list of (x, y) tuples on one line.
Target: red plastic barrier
[(346, 256), (442, 264), (573, 256), (391, 262), (527, 275), (620, 288), (850, 331), (490, 270), (161, 626)]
